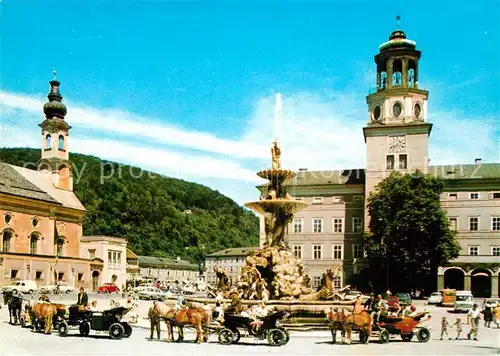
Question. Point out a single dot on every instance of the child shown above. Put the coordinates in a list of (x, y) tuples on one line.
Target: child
[(458, 324), (444, 328)]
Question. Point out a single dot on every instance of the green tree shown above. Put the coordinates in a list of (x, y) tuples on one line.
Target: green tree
[(409, 234)]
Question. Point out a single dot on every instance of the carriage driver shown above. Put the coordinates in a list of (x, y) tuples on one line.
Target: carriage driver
[(83, 298)]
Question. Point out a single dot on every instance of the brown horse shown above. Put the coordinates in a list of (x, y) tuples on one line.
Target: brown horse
[(347, 322), (199, 318), (46, 312)]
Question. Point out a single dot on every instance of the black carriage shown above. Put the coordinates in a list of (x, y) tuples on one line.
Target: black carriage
[(267, 327), (107, 320)]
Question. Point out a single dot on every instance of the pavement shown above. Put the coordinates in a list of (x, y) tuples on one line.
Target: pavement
[(17, 341)]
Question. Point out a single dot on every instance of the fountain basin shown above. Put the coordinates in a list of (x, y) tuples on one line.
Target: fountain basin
[(276, 174), (275, 206)]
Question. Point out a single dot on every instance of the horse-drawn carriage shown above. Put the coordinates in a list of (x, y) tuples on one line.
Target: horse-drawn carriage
[(405, 327), (267, 327), (108, 320)]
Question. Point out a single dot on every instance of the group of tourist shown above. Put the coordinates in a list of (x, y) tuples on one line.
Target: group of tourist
[(378, 306)]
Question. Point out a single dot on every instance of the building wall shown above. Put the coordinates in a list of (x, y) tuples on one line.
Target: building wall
[(109, 269), (232, 264), (168, 274), (20, 259)]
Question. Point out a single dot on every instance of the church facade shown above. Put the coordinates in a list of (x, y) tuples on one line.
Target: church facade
[(40, 216), (330, 230)]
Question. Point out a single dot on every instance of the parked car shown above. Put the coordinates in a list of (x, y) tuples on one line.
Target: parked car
[(435, 298), (404, 299), (63, 288), (463, 301), (25, 286), (108, 288), (151, 293), (189, 289)]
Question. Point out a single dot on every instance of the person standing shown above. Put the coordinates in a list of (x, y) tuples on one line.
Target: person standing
[(444, 328), (488, 314), (83, 298), (154, 320), (473, 315), (458, 325)]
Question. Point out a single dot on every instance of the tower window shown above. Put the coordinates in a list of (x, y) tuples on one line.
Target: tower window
[(397, 69), (383, 80), (403, 161), (417, 110), (376, 113), (61, 143), (6, 237), (48, 141), (390, 162), (397, 108), (412, 74)]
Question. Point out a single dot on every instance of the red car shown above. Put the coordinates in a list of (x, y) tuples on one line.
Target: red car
[(108, 288)]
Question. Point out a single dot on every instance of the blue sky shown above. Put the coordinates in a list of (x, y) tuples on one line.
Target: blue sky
[(187, 88)]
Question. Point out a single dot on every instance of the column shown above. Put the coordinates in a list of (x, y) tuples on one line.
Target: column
[(440, 283), (467, 283), (494, 285), (404, 72), (389, 73)]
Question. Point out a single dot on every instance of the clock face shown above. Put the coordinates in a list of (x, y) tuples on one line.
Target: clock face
[(376, 113), (397, 109), (417, 110), (397, 144)]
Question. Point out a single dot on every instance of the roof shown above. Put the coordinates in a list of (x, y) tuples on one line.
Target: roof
[(357, 176), (14, 183), (131, 255), (34, 184), (150, 261), (466, 171), (98, 238), (233, 252)]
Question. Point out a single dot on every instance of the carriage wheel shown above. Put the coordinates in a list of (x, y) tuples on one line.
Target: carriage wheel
[(226, 336), (383, 336), (423, 335), (407, 337), (128, 329), (84, 328), (287, 336), (276, 337), (363, 337), (116, 331), (63, 329), (237, 335)]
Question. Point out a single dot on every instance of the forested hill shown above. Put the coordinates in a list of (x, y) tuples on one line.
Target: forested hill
[(150, 210)]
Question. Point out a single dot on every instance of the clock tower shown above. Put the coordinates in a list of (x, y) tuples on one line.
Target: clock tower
[(397, 131)]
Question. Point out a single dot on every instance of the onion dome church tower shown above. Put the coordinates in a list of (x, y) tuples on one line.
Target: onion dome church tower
[(397, 131), (55, 131)]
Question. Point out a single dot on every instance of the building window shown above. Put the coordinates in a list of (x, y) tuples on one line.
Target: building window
[(297, 226), (336, 199), (33, 244), (35, 222), (453, 224), (6, 237), (317, 252), (317, 200), (48, 142), (338, 224), (80, 277), (337, 282), (474, 196), (297, 251), (91, 253), (337, 252), (473, 223), (403, 161), (357, 199), (61, 143), (298, 199), (317, 225), (13, 273), (495, 195), (357, 251), (60, 276), (495, 223), (59, 246), (357, 224), (495, 250), (316, 281), (453, 196), (389, 162), (38, 275), (7, 218), (114, 259), (473, 250)]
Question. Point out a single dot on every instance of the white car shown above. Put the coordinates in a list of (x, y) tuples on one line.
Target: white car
[(435, 298), (151, 293), (63, 288), (189, 289), (21, 286)]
